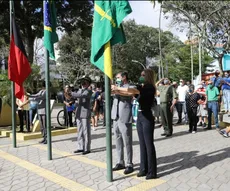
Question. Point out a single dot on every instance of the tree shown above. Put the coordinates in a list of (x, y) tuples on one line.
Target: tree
[(71, 15), (4, 50), (179, 65), (142, 42), (74, 52), (210, 21), (30, 83)]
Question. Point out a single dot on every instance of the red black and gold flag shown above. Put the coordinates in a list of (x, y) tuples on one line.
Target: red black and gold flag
[(18, 65)]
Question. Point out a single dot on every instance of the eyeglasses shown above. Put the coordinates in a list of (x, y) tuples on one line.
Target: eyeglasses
[(181, 81)]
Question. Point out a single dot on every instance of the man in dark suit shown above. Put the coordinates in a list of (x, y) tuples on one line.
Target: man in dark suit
[(83, 115)]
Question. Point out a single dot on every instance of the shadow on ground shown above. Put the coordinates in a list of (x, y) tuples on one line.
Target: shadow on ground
[(184, 160)]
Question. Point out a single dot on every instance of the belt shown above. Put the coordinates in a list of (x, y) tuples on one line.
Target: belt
[(166, 102), (213, 101)]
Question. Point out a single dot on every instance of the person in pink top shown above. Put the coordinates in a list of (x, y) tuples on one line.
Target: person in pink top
[(202, 111)]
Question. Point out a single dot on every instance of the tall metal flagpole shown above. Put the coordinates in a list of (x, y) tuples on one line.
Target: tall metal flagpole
[(48, 115), (13, 100), (107, 57)]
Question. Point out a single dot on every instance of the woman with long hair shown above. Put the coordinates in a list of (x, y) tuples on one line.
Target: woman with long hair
[(145, 125)]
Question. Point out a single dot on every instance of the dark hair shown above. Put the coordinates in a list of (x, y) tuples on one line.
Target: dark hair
[(125, 74), (44, 84), (191, 86)]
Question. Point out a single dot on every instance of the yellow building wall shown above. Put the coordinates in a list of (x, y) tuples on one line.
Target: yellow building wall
[(6, 116)]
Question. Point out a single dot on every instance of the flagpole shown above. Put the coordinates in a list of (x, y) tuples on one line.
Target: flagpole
[(107, 58), (48, 115), (13, 100)]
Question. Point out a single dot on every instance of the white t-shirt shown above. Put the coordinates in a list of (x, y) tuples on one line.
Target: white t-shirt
[(25, 107), (182, 90)]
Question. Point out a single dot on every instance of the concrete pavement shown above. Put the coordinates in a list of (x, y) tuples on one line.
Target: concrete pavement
[(186, 161)]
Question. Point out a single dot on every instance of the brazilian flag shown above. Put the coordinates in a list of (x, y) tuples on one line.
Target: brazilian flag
[(50, 24), (107, 27)]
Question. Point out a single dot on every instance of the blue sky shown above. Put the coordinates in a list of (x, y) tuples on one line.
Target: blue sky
[(144, 13)]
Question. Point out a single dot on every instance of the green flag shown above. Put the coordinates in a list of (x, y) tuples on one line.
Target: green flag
[(50, 23), (108, 16)]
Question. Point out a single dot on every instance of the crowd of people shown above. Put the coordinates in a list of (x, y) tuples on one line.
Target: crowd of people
[(154, 102)]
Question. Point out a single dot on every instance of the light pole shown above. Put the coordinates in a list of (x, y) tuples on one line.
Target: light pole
[(191, 49), (161, 62), (200, 75), (135, 61)]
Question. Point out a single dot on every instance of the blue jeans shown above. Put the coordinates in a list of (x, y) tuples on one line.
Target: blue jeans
[(181, 108), (226, 98), (213, 108), (32, 114)]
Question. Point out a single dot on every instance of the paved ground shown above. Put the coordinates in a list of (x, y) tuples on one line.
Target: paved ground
[(186, 161)]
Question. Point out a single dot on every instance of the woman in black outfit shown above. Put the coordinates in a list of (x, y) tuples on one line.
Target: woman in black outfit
[(145, 125), (192, 99)]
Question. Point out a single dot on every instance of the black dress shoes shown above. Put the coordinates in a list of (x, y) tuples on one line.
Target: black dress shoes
[(42, 141), (86, 152), (45, 142), (148, 177), (163, 134), (178, 122), (168, 135), (128, 170), (207, 128), (118, 167), (78, 151), (141, 174)]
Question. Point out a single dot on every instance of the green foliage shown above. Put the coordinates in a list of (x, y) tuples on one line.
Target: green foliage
[(74, 52), (5, 87), (71, 15), (142, 42), (30, 84), (33, 79), (209, 19), (179, 62)]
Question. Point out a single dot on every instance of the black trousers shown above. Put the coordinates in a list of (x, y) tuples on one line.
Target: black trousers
[(70, 118), (193, 119), (24, 115), (145, 130), (43, 127), (21, 115)]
